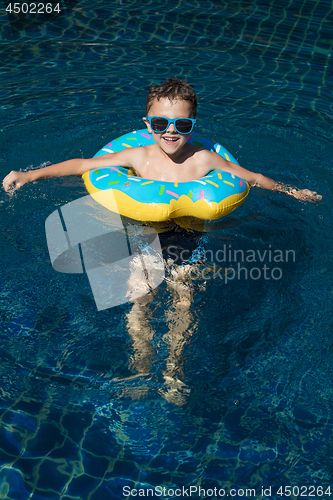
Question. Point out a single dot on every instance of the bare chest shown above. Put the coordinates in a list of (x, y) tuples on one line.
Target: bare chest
[(159, 168)]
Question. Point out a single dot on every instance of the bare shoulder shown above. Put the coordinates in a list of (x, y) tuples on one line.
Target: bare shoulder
[(205, 153), (141, 154), (135, 154), (198, 153), (140, 157), (128, 157), (210, 160)]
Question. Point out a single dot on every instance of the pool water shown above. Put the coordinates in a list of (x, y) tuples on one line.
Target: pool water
[(222, 379)]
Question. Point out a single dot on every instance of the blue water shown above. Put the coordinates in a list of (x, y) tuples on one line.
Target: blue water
[(216, 382)]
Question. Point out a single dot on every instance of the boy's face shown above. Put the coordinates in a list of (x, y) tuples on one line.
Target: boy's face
[(169, 141)]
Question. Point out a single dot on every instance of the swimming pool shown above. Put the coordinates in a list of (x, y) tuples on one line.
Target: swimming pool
[(223, 380)]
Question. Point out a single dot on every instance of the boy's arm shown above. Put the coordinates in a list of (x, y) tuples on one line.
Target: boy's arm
[(259, 180), (300, 194), (70, 167)]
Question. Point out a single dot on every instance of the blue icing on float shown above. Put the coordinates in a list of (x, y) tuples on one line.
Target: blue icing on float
[(210, 197)]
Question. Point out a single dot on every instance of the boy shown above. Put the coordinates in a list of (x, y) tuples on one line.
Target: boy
[(170, 117)]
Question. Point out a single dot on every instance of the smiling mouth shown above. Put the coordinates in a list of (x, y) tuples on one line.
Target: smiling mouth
[(170, 140)]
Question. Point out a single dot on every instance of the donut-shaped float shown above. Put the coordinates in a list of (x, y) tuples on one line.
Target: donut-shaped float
[(210, 197)]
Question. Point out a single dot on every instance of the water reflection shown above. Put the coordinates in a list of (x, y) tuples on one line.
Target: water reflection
[(179, 320)]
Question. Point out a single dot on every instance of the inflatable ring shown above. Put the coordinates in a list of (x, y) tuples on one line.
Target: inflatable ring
[(210, 197)]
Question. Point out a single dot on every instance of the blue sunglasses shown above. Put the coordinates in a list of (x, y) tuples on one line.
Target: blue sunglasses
[(160, 124)]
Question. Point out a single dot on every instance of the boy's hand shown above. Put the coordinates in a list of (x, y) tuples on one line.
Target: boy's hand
[(305, 194), (299, 194), (14, 180)]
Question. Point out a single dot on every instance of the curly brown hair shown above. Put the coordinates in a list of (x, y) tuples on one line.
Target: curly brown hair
[(173, 89)]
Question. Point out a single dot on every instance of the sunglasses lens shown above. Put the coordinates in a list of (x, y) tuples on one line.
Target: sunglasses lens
[(183, 126), (159, 124)]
